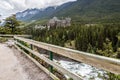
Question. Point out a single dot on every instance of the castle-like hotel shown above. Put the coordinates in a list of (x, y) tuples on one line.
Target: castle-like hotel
[(55, 22)]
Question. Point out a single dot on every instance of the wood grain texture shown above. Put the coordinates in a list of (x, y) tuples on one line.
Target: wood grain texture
[(7, 35)]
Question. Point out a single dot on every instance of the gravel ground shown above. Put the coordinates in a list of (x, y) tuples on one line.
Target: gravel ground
[(16, 66)]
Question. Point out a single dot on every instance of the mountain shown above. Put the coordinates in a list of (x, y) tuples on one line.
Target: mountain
[(92, 10), (80, 10), (34, 14), (27, 14)]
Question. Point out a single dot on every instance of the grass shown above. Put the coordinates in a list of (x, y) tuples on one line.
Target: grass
[(2, 40)]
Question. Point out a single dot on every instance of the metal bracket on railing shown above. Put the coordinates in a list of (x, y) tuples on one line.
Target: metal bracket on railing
[(51, 58)]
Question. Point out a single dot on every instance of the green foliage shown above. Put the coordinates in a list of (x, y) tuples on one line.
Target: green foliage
[(12, 23), (5, 30), (70, 79), (87, 38), (113, 76), (118, 53), (107, 49), (91, 11), (2, 40), (38, 22), (90, 49), (12, 26)]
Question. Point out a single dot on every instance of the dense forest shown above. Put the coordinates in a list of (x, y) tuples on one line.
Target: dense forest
[(99, 39)]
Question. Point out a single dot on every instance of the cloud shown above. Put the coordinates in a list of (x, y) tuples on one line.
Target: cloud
[(8, 7)]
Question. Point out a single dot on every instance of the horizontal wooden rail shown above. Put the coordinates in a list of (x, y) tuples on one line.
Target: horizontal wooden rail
[(8, 35), (55, 65), (108, 64)]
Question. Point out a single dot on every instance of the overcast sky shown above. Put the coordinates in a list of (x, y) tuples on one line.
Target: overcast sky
[(8, 7)]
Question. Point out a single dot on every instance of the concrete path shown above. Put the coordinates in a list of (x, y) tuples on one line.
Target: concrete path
[(9, 66), (16, 66)]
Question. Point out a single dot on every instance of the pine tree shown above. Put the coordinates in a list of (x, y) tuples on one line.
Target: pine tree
[(107, 49), (12, 23)]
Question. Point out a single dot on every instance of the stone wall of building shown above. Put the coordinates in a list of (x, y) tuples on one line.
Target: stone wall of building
[(55, 22)]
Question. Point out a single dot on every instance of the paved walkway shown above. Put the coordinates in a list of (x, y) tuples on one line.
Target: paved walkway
[(9, 66), (15, 66)]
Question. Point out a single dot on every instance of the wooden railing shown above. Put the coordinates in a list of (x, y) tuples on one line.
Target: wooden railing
[(9, 35), (105, 63)]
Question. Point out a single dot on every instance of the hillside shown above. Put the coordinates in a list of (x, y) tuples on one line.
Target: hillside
[(80, 10), (34, 14), (92, 10)]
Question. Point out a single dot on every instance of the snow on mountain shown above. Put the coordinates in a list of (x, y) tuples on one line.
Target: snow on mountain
[(27, 12)]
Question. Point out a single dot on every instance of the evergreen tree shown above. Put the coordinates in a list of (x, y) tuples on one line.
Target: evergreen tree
[(12, 23), (107, 49)]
